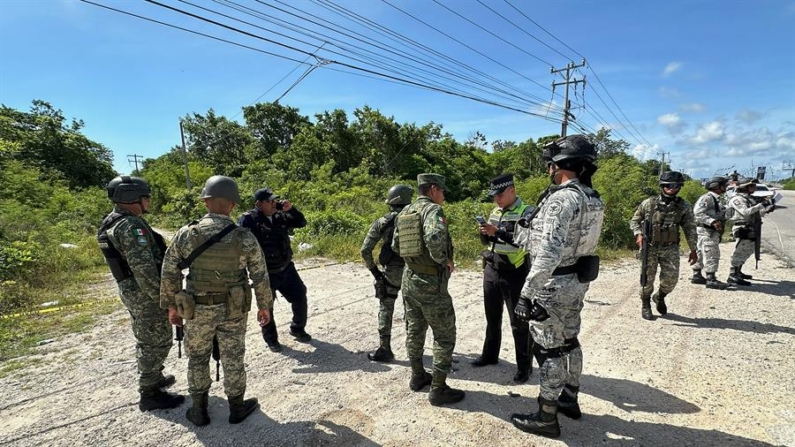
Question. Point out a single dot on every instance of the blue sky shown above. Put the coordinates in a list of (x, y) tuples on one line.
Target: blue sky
[(710, 81)]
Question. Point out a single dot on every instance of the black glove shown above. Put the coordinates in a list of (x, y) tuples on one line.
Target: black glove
[(522, 309), (377, 274)]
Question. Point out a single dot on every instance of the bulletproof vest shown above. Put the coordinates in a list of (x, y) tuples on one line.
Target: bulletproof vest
[(387, 256), (274, 239), (507, 219), (118, 265), (218, 268), (410, 235), (664, 217), (742, 221), (591, 218)]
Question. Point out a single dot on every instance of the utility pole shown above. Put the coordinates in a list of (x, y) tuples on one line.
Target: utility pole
[(135, 158), (566, 103), (184, 156)]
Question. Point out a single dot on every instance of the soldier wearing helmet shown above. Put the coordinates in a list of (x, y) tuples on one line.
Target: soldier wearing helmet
[(561, 237), (667, 213), (134, 252), (388, 280), (272, 221), (221, 257), (710, 216), (505, 267), (747, 215)]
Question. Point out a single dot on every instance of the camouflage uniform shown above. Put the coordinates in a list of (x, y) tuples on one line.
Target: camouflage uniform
[(745, 212), (674, 212), (393, 271), (567, 227), (136, 241), (707, 210), (425, 279), (211, 320)]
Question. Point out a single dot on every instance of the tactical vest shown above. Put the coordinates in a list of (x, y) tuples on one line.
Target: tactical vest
[(387, 256), (274, 240), (218, 268), (745, 221), (508, 219), (411, 240), (664, 228), (118, 265)]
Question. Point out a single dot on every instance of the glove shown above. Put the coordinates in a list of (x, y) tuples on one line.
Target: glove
[(522, 309), (377, 274)]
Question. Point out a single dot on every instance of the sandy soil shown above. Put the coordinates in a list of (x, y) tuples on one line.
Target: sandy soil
[(717, 370)]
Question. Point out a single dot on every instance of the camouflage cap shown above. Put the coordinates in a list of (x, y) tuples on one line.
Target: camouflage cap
[(431, 179)]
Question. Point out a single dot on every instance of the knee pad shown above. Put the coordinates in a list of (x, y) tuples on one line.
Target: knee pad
[(570, 344)]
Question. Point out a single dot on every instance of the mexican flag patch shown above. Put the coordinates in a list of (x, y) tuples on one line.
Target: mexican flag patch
[(139, 231), (442, 220)]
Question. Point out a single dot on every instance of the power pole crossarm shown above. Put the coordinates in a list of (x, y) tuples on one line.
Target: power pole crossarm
[(569, 81)]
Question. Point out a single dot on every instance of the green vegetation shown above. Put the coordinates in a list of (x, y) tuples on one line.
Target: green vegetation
[(789, 184)]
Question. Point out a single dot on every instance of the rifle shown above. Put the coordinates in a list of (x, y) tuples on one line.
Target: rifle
[(644, 252), (758, 241), (179, 337), (217, 358)]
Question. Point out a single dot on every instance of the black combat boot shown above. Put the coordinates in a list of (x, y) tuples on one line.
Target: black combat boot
[(543, 423), (166, 381), (645, 310), (384, 352), (713, 283), (441, 394), (736, 279), (743, 275), (697, 278), (419, 377), (240, 409), (659, 300), (567, 402), (198, 412), (154, 399)]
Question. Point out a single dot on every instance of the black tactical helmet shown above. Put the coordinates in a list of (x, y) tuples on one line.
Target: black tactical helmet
[(716, 182), (672, 178), (572, 147), (399, 195), (126, 189), (219, 186)]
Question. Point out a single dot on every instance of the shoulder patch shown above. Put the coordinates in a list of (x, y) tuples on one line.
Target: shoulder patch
[(554, 209), (442, 220), (139, 232), (142, 241)]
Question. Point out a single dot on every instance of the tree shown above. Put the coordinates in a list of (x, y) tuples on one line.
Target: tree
[(217, 142), (273, 127), (607, 147)]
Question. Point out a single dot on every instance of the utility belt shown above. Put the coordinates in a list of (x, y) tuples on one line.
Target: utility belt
[(279, 269), (424, 269), (664, 244), (586, 268), (237, 298)]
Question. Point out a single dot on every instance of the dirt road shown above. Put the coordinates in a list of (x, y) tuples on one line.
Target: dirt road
[(718, 370)]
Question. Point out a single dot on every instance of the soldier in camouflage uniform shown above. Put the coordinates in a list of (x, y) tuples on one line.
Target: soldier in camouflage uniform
[(388, 281), (746, 213), (561, 237), (218, 296), (423, 241), (134, 253), (667, 213), (710, 216)]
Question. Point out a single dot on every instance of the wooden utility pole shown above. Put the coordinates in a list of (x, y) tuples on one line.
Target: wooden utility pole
[(566, 103), (184, 156), (134, 158)]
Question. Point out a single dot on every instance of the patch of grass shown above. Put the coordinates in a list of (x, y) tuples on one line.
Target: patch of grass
[(15, 365)]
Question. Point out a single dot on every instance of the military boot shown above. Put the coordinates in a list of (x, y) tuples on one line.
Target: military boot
[(659, 301), (736, 279), (743, 275), (543, 423), (567, 402), (384, 352), (419, 377), (166, 381), (645, 310), (198, 412), (153, 398), (713, 283), (697, 278), (441, 394), (240, 409)]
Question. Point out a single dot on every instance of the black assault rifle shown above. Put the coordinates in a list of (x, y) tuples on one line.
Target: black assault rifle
[(758, 241), (644, 252), (217, 358), (179, 337)]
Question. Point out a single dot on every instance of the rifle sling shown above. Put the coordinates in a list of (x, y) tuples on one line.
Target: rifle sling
[(185, 263)]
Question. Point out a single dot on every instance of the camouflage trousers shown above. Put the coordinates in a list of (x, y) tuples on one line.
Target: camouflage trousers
[(429, 304), (209, 322), (386, 308), (708, 249), (742, 251), (667, 257), (562, 298), (153, 334)]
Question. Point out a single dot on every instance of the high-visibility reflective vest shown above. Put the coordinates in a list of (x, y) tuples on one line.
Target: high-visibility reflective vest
[(507, 219)]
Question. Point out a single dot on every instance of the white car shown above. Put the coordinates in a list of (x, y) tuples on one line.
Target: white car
[(762, 191)]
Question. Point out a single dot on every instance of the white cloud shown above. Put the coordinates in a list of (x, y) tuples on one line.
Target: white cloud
[(671, 68), (711, 131), (692, 107), (748, 116), (672, 123), (667, 92), (644, 151)]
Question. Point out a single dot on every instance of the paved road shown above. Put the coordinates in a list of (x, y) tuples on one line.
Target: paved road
[(778, 229)]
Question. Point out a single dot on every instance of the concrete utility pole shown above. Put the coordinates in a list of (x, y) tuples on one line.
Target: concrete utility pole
[(566, 103), (135, 158), (184, 156)]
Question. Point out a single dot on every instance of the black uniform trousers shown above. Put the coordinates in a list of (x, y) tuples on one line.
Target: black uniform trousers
[(505, 287), (293, 289)]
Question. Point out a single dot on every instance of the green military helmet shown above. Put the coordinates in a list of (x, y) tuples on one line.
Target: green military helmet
[(671, 178), (399, 195), (126, 189), (572, 147), (716, 182), (220, 186)]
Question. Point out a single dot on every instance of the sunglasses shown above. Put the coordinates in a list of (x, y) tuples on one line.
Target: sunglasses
[(672, 185)]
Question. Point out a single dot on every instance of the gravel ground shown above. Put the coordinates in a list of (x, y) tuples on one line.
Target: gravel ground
[(717, 370)]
